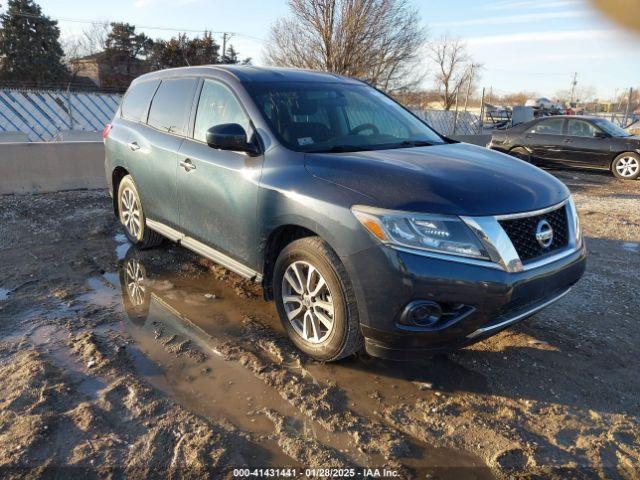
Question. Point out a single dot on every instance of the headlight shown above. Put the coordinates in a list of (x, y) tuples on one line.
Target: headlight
[(436, 233), (576, 222)]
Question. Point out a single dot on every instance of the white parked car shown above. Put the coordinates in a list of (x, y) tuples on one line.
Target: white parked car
[(541, 102)]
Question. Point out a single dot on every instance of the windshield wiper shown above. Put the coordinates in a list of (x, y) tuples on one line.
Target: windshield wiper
[(339, 149), (413, 143)]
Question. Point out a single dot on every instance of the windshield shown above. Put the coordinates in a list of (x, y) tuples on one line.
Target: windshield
[(338, 117), (611, 128)]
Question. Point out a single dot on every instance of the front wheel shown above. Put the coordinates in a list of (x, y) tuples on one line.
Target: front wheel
[(315, 300), (626, 166)]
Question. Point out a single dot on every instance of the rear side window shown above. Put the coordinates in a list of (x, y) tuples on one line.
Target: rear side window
[(171, 105), (552, 126), (136, 101)]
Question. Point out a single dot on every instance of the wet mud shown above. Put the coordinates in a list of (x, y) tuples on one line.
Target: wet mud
[(161, 363)]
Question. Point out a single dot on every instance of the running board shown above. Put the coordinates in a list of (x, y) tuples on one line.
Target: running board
[(204, 250)]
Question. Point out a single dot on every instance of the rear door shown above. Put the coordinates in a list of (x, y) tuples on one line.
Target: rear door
[(128, 132), (545, 139), (582, 148), (155, 150), (218, 189)]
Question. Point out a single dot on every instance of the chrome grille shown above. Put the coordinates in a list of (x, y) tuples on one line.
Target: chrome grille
[(522, 233)]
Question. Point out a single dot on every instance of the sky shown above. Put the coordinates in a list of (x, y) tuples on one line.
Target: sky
[(533, 45)]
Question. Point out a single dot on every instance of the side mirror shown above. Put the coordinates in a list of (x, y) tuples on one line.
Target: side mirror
[(599, 134), (230, 136)]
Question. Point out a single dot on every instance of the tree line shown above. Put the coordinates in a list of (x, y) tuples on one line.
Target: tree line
[(32, 54), (382, 42)]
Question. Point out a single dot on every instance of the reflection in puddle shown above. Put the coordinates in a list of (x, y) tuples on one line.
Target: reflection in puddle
[(123, 245), (175, 317), (159, 317), (4, 294)]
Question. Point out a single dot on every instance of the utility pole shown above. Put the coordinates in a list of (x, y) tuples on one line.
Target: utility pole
[(574, 82), (466, 99), (627, 112), (482, 113), (224, 45)]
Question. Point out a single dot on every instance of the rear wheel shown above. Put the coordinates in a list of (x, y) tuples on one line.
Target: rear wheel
[(132, 217), (626, 166), (315, 300)]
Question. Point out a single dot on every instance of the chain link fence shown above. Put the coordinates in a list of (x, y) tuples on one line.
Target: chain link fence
[(449, 122), (52, 115)]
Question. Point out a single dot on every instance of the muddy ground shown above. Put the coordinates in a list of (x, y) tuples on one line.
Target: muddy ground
[(118, 363)]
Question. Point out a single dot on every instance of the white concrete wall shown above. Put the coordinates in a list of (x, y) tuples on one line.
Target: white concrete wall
[(49, 167)]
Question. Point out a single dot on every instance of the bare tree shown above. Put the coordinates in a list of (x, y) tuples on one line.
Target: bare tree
[(374, 40), (581, 94), (453, 67), (91, 41)]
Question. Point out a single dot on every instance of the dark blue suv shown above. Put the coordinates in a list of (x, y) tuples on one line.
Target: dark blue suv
[(364, 225)]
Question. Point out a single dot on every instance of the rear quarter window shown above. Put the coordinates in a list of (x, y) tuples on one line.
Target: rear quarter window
[(171, 105), (136, 101), (551, 126)]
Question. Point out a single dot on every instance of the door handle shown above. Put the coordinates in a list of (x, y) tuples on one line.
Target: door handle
[(528, 136), (567, 140), (187, 165), (134, 146)]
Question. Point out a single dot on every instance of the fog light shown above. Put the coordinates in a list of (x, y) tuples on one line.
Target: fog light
[(421, 313)]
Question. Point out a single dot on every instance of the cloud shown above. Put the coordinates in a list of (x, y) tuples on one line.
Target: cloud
[(509, 19), (531, 4), (148, 3), (534, 37), (573, 56)]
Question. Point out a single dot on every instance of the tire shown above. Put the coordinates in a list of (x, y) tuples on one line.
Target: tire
[(131, 216), (343, 338), (136, 293), (626, 166), (521, 153)]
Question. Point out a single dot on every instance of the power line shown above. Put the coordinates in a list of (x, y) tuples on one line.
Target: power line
[(146, 27), (545, 73)]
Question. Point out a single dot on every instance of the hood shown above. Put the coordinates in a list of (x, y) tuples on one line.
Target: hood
[(454, 179)]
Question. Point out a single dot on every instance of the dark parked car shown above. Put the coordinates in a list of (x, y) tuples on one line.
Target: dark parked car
[(364, 225), (585, 142)]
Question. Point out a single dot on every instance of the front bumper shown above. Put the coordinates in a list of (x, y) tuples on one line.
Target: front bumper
[(386, 280)]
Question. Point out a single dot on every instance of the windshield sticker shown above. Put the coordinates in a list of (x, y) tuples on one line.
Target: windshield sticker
[(305, 141)]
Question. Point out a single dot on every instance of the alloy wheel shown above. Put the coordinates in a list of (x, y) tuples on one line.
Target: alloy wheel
[(627, 166), (135, 282), (130, 212), (308, 302)]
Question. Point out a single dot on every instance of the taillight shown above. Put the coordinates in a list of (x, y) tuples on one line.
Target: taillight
[(105, 132)]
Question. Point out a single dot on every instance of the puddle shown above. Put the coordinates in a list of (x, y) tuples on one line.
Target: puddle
[(4, 294), (631, 246), (164, 307), (215, 387), (123, 245), (102, 290)]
